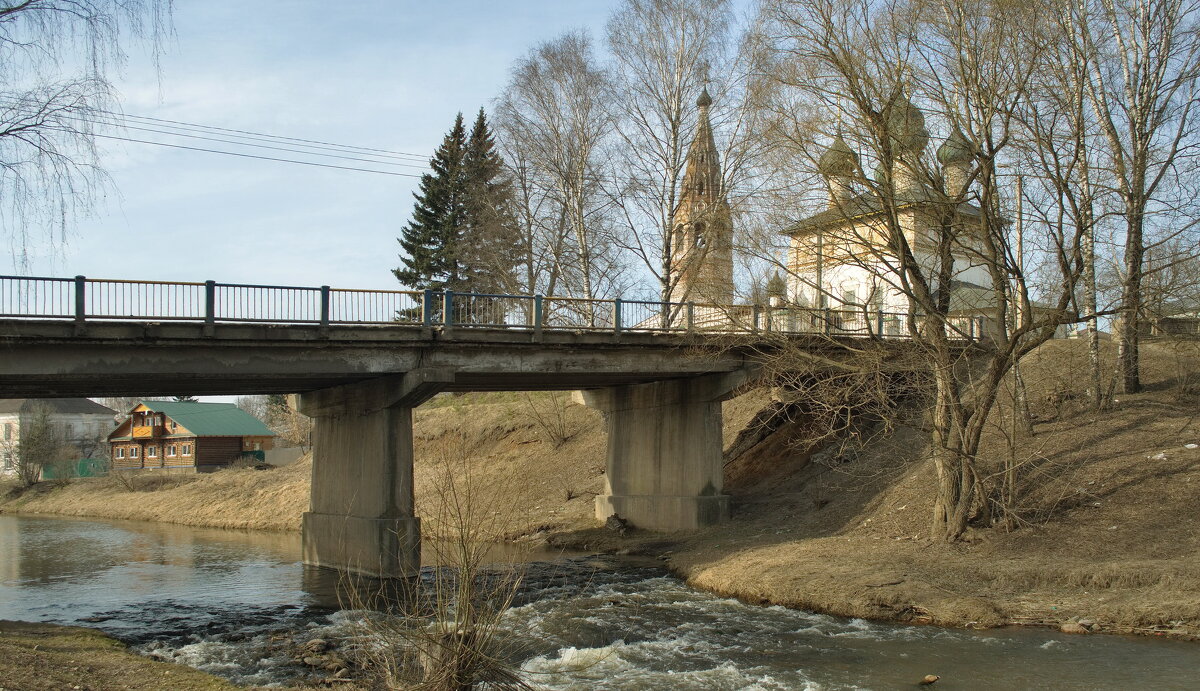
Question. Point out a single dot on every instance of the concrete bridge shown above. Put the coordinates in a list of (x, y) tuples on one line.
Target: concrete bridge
[(362, 360)]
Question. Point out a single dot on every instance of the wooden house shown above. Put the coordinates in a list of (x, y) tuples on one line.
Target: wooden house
[(200, 437)]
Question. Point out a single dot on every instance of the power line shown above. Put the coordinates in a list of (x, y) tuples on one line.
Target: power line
[(269, 147), (113, 118), (261, 158), (189, 126), (419, 157)]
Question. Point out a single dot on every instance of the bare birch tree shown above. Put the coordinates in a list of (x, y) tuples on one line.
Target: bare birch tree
[(1143, 57), (55, 60), (663, 51), (555, 120)]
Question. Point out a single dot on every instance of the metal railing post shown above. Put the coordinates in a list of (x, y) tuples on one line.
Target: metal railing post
[(825, 318), (448, 309), (427, 308), (691, 317), (879, 322), (537, 315), (210, 302), (617, 316), (324, 305), (755, 315), (80, 298), (768, 318)]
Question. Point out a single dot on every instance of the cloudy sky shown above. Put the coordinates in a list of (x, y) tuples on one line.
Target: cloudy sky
[(382, 75)]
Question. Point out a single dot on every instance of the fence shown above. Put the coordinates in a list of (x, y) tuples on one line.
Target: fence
[(211, 302)]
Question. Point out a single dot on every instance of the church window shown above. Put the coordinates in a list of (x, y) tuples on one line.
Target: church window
[(700, 187), (699, 234)]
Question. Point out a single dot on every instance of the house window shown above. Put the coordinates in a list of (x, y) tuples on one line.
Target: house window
[(174, 426), (120, 452), (133, 452), (171, 450), (187, 449), (151, 452), (8, 431)]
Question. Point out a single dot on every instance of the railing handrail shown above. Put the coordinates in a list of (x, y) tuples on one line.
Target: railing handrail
[(277, 304)]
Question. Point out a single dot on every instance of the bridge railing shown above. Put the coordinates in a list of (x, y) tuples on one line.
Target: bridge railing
[(83, 298)]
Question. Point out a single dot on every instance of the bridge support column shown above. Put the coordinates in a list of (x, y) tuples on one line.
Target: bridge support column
[(362, 515), (665, 469)]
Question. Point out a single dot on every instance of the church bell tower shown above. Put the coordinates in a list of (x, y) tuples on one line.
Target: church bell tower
[(702, 240)]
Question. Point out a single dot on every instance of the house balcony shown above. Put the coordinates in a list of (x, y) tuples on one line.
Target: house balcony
[(148, 432)]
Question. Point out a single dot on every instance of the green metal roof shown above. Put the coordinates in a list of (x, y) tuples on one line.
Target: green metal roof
[(211, 419)]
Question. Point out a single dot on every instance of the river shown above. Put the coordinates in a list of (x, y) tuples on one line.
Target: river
[(234, 604)]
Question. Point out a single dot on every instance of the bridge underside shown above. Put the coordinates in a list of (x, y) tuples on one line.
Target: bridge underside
[(661, 403)]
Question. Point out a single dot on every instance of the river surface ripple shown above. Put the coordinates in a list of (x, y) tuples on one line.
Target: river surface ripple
[(223, 601)]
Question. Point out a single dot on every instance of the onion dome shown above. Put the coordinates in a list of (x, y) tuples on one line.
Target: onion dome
[(906, 124), (705, 100), (839, 160), (956, 149)]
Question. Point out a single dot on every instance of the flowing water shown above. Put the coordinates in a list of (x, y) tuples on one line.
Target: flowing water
[(236, 604)]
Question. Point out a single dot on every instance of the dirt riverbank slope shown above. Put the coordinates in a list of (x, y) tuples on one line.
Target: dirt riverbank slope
[(1108, 535), (44, 657)]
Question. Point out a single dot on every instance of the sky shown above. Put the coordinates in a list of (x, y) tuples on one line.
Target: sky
[(382, 75)]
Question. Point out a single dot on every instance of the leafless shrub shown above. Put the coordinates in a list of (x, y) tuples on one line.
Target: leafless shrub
[(552, 419), (447, 634)]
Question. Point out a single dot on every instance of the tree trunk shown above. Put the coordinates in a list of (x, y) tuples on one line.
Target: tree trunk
[(954, 491), (952, 505), (1095, 392), (1131, 302)]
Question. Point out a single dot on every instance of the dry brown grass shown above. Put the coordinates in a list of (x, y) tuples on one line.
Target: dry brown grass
[(241, 498)]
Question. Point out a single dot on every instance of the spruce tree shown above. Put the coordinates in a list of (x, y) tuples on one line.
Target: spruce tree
[(491, 247), (432, 237), (462, 235)]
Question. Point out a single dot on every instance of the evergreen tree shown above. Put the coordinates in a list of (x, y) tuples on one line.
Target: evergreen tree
[(432, 237), (462, 235), (185, 399), (492, 242)]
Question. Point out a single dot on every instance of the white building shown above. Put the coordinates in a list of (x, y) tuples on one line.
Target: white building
[(840, 258), (79, 422)]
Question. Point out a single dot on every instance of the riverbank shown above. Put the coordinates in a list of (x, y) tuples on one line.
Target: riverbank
[(1109, 541), (37, 657)]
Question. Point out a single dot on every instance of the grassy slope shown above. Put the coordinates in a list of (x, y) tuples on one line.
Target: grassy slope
[(1111, 533)]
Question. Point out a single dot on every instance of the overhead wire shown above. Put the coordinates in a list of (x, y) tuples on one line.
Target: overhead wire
[(256, 140), (255, 156)]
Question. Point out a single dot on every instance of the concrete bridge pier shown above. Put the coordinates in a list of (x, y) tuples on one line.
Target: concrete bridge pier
[(665, 469), (362, 516)]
